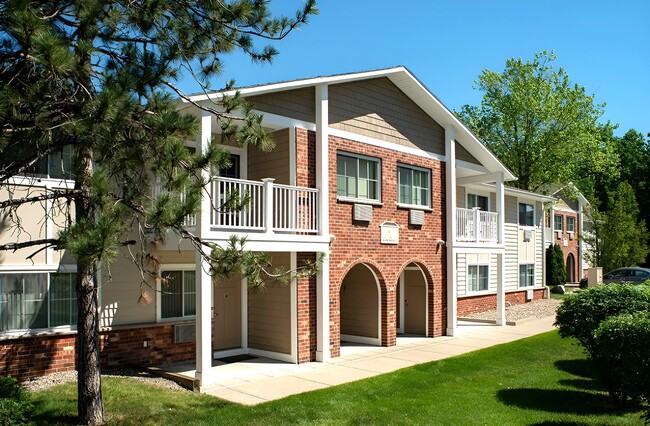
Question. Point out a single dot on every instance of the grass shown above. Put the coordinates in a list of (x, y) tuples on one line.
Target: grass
[(542, 380)]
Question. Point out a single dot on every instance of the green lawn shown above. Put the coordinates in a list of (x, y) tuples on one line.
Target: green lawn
[(540, 380)]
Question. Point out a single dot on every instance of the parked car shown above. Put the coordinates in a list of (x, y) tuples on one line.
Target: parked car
[(627, 275)]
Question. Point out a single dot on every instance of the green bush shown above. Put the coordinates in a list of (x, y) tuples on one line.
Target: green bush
[(623, 353), (581, 313), (15, 408), (555, 270)]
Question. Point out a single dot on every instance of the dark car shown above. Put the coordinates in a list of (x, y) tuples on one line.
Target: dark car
[(627, 275)]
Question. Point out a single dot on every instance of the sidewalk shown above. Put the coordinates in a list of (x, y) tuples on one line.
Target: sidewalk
[(260, 380)]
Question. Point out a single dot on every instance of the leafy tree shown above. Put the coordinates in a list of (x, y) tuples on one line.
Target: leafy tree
[(624, 237), (541, 125), (96, 75)]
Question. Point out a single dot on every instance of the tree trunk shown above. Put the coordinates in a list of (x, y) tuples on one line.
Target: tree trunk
[(90, 405), (89, 391)]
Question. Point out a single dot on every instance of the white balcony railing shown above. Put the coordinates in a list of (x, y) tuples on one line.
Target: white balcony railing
[(158, 189), (475, 225), (263, 206)]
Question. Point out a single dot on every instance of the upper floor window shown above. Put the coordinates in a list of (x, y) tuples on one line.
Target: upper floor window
[(40, 300), (57, 165), (570, 224), (413, 186), (178, 296), (558, 222), (480, 201), (526, 214), (357, 177)]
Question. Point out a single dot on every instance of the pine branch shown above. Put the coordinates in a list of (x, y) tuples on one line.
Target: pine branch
[(52, 195), (17, 246)]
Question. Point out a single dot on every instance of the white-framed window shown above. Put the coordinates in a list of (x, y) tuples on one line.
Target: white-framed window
[(570, 224), (559, 220), (358, 176), (527, 275), (177, 290), (413, 186), (57, 165), (480, 201), (526, 214), (37, 300), (478, 278)]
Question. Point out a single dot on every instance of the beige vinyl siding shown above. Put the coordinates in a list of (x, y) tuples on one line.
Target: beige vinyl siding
[(359, 303), (461, 274), (32, 223), (493, 202), (461, 197), (299, 103), (378, 109), (511, 234), (269, 314), (273, 164), (464, 155), (119, 297)]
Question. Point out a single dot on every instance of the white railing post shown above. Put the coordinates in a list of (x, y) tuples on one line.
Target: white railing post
[(268, 205), (477, 224)]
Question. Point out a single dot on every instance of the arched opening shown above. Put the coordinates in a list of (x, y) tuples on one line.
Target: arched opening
[(412, 301), (360, 306), (571, 268)]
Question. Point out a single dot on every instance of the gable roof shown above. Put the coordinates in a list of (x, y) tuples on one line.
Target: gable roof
[(407, 83)]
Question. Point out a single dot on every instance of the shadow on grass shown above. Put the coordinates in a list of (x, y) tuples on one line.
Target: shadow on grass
[(584, 384), (578, 367), (53, 418), (558, 401)]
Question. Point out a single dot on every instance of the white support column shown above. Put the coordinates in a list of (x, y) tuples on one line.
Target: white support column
[(501, 213), (450, 168), (204, 280), (268, 205), (501, 294), (322, 183)]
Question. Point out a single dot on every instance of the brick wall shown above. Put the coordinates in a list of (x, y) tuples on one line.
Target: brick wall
[(33, 356), (306, 291), (359, 242), (572, 244), (474, 304)]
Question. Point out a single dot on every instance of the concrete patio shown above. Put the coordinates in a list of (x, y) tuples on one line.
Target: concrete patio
[(260, 380)]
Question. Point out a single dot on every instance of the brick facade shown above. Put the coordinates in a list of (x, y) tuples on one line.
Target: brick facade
[(359, 242), (569, 244), (32, 356), (473, 304)]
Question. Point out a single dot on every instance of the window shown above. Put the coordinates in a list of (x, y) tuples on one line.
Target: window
[(357, 177), (558, 222), (526, 214), (413, 186), (570, 224), (479, 201), (32, 301), (57, 165), (478, 277), (527, 275), (178, 294)]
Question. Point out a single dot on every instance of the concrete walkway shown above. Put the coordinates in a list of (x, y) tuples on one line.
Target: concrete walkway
[(260, 380)]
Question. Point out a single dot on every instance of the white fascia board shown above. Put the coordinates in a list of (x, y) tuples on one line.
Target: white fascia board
[(520, 193)]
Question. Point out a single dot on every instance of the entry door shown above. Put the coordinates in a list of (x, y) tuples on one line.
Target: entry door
[(226, 331), (415, 299)]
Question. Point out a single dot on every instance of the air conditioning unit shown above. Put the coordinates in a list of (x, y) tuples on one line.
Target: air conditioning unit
[(529, 295), (363, 212), (416, 217), (184, 333)]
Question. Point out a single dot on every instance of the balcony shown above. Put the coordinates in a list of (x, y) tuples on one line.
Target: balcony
[(265, 207), (475, 225)]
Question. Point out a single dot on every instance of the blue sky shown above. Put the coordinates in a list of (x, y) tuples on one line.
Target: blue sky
[(603, 45)]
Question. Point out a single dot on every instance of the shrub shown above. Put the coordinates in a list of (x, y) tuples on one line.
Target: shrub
[(623, 353), (555, 270), (15, 408), (580, 314)]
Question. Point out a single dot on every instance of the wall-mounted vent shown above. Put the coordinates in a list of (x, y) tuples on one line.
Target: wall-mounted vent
[(529, 295), (416, 217), (184, 333), (363, 212), (528, 235)]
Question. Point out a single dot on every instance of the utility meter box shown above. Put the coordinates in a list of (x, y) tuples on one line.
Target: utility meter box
[(594, 276)]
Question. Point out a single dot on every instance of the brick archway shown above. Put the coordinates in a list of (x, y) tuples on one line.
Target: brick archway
[(430, 294)]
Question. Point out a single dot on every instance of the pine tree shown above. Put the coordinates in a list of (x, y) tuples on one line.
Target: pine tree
[(98, 76)]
